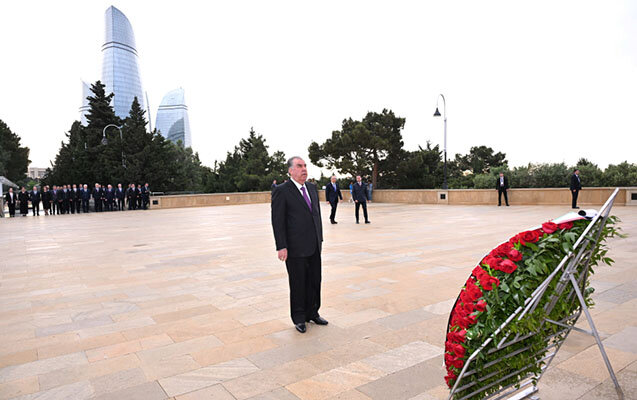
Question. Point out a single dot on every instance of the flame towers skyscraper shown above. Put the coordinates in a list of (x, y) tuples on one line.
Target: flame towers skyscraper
[(120, 68)]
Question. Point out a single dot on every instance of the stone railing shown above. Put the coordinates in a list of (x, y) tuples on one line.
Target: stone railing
[(544, 197)]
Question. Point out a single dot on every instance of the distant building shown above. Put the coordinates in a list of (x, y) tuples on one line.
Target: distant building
[(36, 173), (86, 92), (172, 118)]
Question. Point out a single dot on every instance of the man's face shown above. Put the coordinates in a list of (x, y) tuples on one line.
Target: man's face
[(501, 175), (358, 179), (85, 187), (298, 170), (333, 179), (10, 190), (577, 172), (23, 190), (35, 188)]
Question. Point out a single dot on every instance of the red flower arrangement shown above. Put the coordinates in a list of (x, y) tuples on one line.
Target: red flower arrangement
[(471, 304)]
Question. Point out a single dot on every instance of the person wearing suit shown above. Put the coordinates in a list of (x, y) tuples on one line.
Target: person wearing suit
[(76, 198), (332, 195), (131, 197), (359, 194), (36, 197), (98, 197), (23, 198), (86, 198), (46, 200), (576, 186), (109, 197), (298, 234), (273, 185), (120, 194), (145, 196), (502, 185), (138, 193), (11, 200), (60, 197), (54, 200)]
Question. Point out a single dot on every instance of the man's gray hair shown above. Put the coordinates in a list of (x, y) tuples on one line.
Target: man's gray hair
[(291, 161)]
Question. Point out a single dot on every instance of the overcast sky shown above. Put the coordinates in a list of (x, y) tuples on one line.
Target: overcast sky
[(547, 81)]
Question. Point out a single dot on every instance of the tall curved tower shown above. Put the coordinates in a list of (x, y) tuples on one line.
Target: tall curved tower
[(172, 118), (120, 69), (86, 92)]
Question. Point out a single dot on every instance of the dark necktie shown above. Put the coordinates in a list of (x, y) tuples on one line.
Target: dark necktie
[(307, 199)]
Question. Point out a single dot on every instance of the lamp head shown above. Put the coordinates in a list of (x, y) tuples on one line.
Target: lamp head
[(437, 113), (104, 141)]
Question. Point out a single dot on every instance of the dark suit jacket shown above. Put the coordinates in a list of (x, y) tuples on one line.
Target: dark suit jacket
[(9, 200), (296, 228), (120, 195), (86, 194), (46, 196), (131, 194), (23, 197), (497, 183), (109, 194), (98, 194), (61, 195), (576, 184), (333, 195), (76, 195), (36, 198), (359, 192)]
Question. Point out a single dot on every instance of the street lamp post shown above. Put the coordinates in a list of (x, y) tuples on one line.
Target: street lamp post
[(121, 137), (437, 114)]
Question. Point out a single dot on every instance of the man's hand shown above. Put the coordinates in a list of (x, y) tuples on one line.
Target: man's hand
[(282, 254), (355, 201)]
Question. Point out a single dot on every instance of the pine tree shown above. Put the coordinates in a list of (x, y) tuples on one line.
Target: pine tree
[(14, 159)]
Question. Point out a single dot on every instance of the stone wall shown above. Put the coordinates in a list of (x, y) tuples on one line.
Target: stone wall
[(547, 196)]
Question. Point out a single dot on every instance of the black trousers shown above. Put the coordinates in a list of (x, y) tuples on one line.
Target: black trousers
[(506, 197), (574, 193), (304, 276), (77, 205), (68, 207), (85, 205), (145, 202), (120, 204), (54, 206), (61, 209), (334, 204), (36, 208), (11, 210), (109, 205), (98, 205), (358, 205)]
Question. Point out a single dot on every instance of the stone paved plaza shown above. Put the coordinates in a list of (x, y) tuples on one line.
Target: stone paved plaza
[(193, 304)]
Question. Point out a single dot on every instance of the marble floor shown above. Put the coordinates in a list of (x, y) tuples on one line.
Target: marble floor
[(193, 304)]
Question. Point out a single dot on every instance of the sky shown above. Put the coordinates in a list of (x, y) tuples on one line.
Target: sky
[(542, 81)]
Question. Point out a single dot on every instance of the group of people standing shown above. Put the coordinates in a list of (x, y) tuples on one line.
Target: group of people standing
[(72, 199), (361, 194), (502, 186)]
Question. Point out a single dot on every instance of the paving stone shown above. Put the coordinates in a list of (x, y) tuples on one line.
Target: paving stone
[(145, 391)]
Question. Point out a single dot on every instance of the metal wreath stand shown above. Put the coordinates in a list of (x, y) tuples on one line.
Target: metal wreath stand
[(573, 272)]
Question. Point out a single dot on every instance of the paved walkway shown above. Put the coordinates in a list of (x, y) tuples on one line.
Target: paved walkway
[(193, 304)]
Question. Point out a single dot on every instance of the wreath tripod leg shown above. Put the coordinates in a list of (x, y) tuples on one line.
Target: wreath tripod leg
[(595, 334)]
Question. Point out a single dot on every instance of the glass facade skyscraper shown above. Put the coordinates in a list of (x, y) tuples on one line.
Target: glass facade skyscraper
[(120, 69), (86, 92), (172, 118)]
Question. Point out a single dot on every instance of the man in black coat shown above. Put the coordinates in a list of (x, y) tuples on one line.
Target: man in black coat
[(146, 196), (298, 233), (138, 193), (502, 185), (60, 196), (332, 195), (359, 193), (98, 197), (86, 198), (120, 194), (576, 186), (46, 199), (131, 197), (54, 200), (109, 196), (36, 197), (23, 198), (11, 199), (76, 198)]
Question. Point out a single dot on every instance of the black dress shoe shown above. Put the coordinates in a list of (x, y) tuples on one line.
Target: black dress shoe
[(333, 222), (300, 327), (367, 222), (357, 222), (319, 320)]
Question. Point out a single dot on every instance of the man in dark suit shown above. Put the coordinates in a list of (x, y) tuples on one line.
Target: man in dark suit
[(11, 199), (138, 193), (68, 200), (298, 233), (36, 197), (23, 197), (110, 197), (502, 185), (131, 197), (76, 198), (332, 195), (120, 194), (359, 193), (145, 196), (98, 197), (576, 186), (86, 198), (273, 185), (54, 200)]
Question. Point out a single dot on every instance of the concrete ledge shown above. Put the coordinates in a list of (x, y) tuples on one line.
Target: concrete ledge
[(540, 197)]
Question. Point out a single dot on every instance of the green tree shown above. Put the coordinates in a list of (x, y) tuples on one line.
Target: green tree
[(623, 174), (371, 147), (590, 174), (480, 160), (14, 158)]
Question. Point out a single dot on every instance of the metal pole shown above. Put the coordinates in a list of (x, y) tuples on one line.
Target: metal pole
[(444, 114), (120, 136)]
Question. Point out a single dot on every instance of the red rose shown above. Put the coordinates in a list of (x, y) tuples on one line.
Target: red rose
[(488, 282), (465, 297), (492, 261), (479, 272), (473, 290), (469, 307), (502, 250), (450, 378), (529, 236), (514, 255), (549, 227), (481, 305), (515, 239), (459, 321), (457, 349), (565, 225), (472, 319), (457, 336), (507, 266)]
